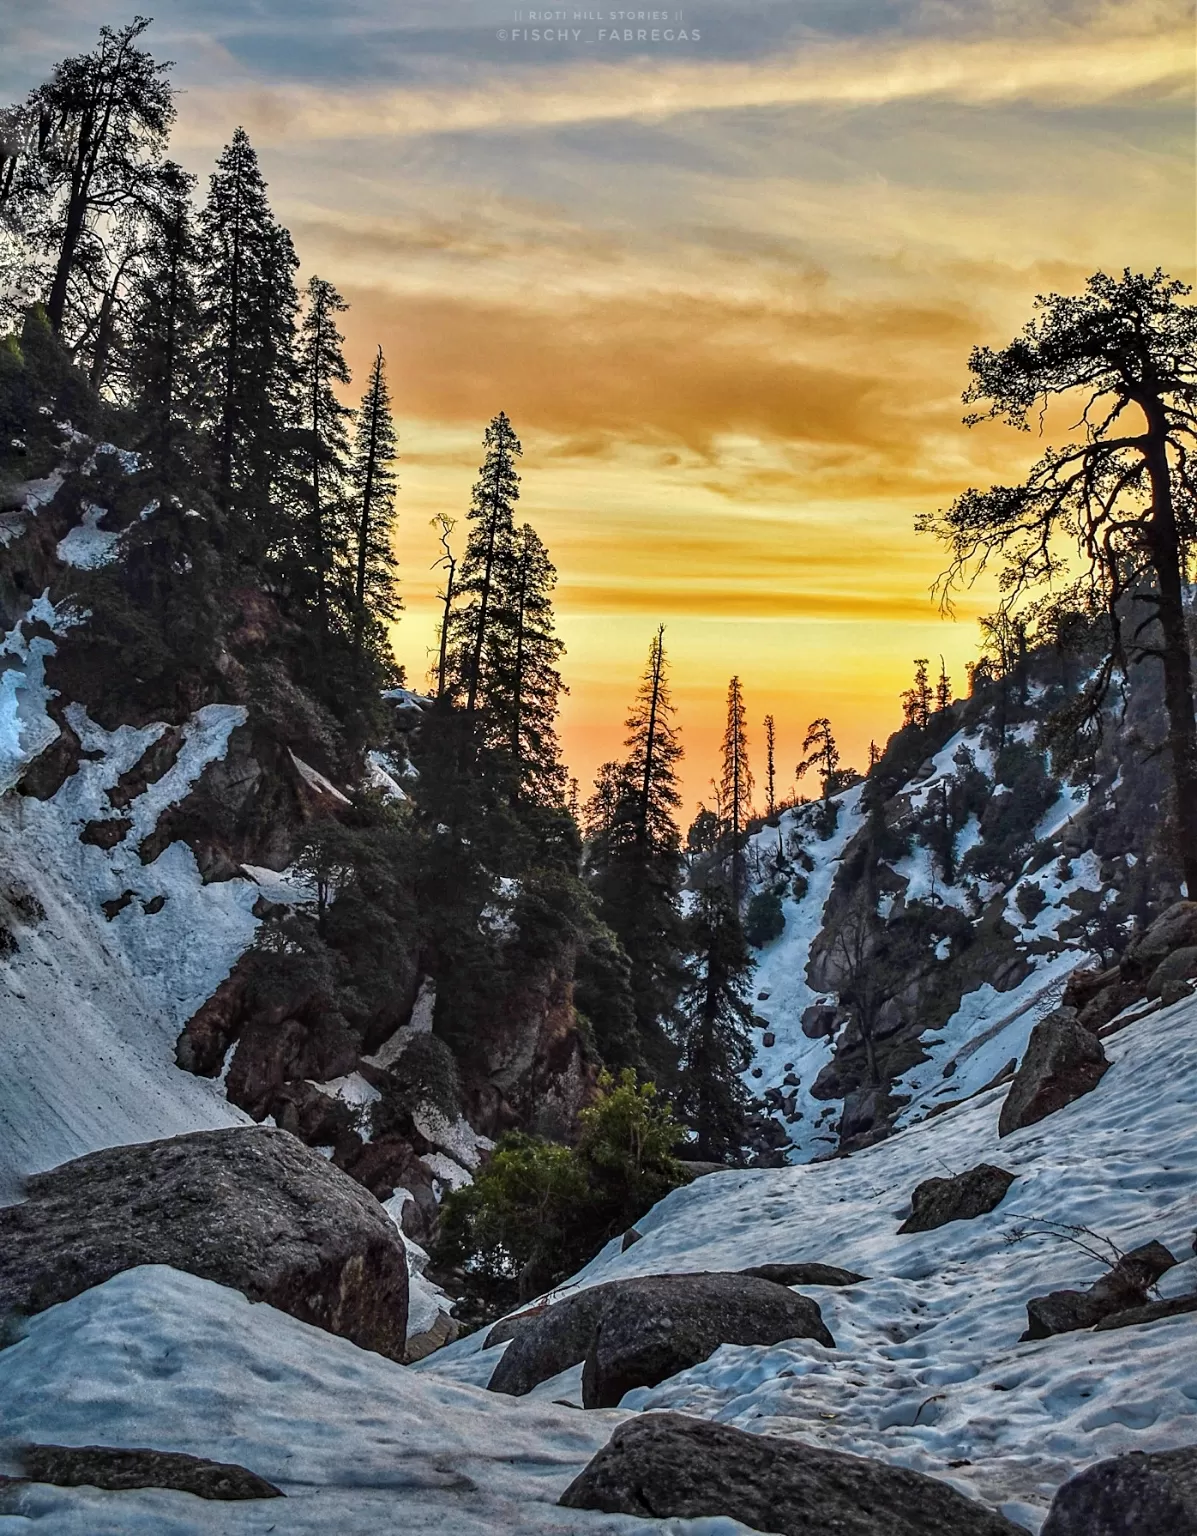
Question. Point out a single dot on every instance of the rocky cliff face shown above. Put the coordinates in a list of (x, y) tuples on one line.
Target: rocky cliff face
[(936, 911), (161, 765)]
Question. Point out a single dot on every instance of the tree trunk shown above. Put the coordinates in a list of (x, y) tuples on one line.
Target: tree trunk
[(1177, 662)]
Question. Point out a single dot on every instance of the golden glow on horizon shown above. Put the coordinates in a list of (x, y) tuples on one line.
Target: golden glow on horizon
[(728, 306)]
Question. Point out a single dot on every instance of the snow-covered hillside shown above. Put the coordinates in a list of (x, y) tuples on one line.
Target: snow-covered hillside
[(929, 1371)]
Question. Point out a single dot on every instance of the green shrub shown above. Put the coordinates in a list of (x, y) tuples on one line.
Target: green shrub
[(537, 1211), (764, 919)]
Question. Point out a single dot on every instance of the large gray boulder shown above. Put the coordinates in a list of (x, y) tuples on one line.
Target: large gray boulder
[(799, 1272), (637, 1332), (104, 1466), (1172, 930), (962, 1197), (667, 1465), (1063, 1061), (661, 1325), (1144, 1493), (250, 1208)]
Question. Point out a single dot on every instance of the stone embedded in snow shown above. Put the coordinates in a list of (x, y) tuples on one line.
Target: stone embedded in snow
[(635, 1333), (253, 1209), (800, 1273), (1063, 1061), (1122, 1288), (1179, 966), (1172, 930), (1140, 1494), (103, 1466), (668, 1465), (962, 1197)]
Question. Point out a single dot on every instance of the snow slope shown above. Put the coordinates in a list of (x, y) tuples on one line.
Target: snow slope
[(929, 1369), (359, 1445), (91, 1004), (780, 981)]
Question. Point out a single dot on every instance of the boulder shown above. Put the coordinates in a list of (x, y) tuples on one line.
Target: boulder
[(660, 1325), (250, 1208), (804, 1274), (668, 1465), (935, 1202), (818, 1021), (1172, 930), (1149, 1312), (1144, 1493), (1120, 1289), (1180, 965), (635, 1333), (1063, 1061), (102, 1466)]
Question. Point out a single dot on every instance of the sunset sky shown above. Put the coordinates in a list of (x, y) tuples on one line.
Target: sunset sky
[(725, 287)]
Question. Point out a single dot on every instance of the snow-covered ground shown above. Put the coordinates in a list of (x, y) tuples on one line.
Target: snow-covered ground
[(780, 986), (929, 1369)]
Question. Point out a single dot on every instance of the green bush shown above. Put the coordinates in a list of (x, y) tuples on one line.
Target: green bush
[(764, 919), (538, 1211)]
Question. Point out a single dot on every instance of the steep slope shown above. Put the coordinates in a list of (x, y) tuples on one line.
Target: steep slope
[(929, 1371)]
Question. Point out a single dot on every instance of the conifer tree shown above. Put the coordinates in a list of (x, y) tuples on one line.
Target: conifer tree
[(822, 754), (875, 755), (943, 688), (247, 291), (164, 373), (373, 485), (735, 784), (447, 562), (635, 854), (321, 532), (715, 1035), (491, 514), (526, 685), (916, 700), (770, 767)]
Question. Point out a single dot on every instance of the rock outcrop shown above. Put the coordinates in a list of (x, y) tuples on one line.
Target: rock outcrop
[(962, 1197), (1139, 1494), (1122, 1289), (103, 1466), (636, 1333), (250, 1208), (799, 1273), (1063, 1061), (667, 1465)]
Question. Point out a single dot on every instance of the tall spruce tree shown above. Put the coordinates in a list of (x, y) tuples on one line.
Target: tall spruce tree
[(770, 767), (735, 784), (916, 700), (716, 1047), (164, 373), (526, 686), (247, 291), (487, 550), (635, 861), (322, 528), (822, 754), (373, 484)]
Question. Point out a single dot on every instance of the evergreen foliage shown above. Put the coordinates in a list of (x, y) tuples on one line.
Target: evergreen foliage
[(735, 785), (917, 699), (321, 531), (373, 484), (822, 754)]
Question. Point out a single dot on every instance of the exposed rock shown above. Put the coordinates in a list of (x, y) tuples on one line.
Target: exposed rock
[(804, 1274), (818, 1021), (442, 1332), (1172, 930), (1139, 1494), (249, 1208), (630, 1237), (1180, 965), (1175, 992), (1122, 1288), (768, 1039), (963, 1197), (667, 1465), (637, 1332), (1062, 1062), (653, 1327), (101, 1466), (1150, 1312), (105, 832)]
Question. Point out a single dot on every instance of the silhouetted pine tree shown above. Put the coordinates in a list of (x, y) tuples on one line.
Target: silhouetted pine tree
[(164, 374), (247, 292), (943, 687), (321, 530), (373, 485), (770, 766), (491, 515), (822, 754), (635, 860), (525, 691), (735, 784), (712, 1098), (916, 700)]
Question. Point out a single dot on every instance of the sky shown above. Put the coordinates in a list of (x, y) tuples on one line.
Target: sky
[(722, 266)]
